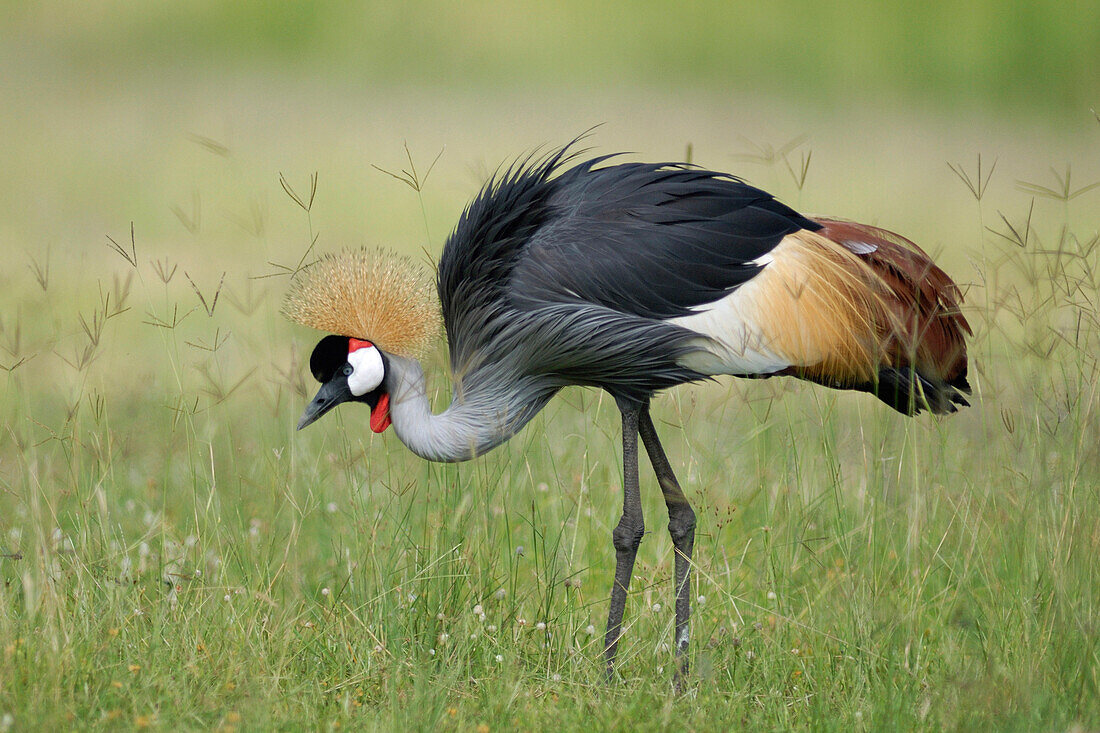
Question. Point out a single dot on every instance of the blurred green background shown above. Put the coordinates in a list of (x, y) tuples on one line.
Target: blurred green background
[(180, 117), (119, 111), (1031, 57)]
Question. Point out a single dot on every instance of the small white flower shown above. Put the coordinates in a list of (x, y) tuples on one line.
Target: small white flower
[(519, 550), (656, 608), (330, 507), (325, 591), (540, 626), (701, 600), (500, 594), (432, 652), (771, 595), (590, 630), (226, 598), (7, 722), (443, 637), (660, 670), (521, 621), (542, 487), (750, 655), (478, 610), (556, 677), (378, 649), (499, 658), (491, 628), (254, 531), (439, 616)]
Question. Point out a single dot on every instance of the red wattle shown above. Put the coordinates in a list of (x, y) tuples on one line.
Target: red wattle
[(380, 415)]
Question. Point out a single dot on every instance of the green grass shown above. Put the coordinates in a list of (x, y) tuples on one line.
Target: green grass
[(175, 555)]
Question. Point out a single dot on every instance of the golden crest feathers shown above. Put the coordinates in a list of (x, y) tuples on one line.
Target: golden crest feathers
[(371, 294)]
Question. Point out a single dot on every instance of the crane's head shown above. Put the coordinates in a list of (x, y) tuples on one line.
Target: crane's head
[(349, 370), (371, 292)]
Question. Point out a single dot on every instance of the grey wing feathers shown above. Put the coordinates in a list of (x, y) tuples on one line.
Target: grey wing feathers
[(481, 252), (648, 239), (569, 276)]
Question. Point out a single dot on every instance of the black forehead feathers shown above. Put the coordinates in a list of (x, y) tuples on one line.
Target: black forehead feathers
[(328, 355)]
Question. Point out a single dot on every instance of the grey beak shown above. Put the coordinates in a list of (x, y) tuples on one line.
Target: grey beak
[(329, 396), (308, 417)]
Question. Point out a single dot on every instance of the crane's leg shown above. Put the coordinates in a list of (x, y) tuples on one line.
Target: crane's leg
[(626, 536), (681, 525)]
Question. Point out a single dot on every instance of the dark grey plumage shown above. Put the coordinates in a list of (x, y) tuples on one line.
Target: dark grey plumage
[(570, 275)]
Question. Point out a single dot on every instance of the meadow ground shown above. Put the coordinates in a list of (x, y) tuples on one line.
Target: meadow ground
[(174, 555)]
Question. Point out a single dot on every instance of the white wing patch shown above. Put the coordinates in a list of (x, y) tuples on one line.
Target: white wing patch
[(734, 343), (765, 326)]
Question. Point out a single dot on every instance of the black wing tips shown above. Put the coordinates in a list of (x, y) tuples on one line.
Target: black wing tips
[(908, 391)]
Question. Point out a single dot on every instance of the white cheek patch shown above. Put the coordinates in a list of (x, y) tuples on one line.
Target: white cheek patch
[(367, 370)]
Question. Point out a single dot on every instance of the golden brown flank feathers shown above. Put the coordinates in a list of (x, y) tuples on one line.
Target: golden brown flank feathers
[(371, 294), (924, 302), (842, 316)]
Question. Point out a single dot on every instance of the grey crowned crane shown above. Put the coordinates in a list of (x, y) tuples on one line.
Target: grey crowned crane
[(631, 278)]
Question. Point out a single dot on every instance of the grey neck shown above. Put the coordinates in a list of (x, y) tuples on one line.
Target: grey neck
[(476, 421)]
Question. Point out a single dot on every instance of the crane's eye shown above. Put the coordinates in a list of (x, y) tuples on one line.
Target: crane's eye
[(347, 370)]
